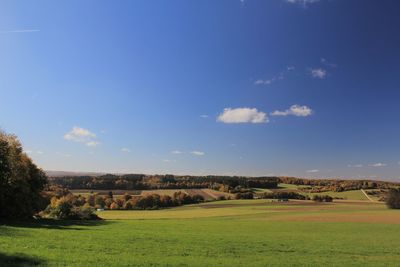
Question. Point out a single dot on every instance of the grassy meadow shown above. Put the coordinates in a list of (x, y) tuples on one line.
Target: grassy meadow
[(224, 233)]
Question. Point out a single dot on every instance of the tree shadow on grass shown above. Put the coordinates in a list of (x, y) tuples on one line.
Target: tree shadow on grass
[(51, 224), (19, 260)]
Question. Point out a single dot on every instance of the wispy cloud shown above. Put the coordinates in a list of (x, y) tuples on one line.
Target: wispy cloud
[(279, 76), (313, 171), (295, 110), (327, 63), (318, 73), (198, 153), (355, 166), (379, 164), (168, 160), (242, 115), (19, 31), (204, 116), (303, 3), (92, 144), (176, 152), (125, 150)]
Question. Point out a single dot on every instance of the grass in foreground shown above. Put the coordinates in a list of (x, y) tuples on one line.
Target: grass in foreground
[(227, 233)]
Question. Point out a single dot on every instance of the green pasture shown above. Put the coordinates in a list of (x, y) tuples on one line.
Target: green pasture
[(224, 233)]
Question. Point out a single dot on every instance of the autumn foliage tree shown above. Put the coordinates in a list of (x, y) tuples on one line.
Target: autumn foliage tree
[(21, 181)]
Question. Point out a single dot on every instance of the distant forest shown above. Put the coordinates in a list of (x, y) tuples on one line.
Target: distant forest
[(222, 183), (143, 182)]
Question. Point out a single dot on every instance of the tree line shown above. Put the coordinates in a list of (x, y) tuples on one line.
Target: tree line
[(150, 182), (65, 205), (323, 185), (23, 184)]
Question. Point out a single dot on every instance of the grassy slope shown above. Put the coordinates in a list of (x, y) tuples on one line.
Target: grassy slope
[(249, 233), (350, 195)]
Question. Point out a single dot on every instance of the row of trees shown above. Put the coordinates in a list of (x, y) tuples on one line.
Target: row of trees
[(322, 185), (143, 182), (69, 206), (283, 195)]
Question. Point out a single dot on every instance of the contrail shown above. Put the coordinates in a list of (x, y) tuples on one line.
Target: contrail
[(19, 31)]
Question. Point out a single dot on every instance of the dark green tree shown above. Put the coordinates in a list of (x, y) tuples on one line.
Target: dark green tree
[(21, 181), (393, 199)]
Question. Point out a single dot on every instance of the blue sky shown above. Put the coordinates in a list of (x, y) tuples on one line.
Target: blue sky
[(301, 87)]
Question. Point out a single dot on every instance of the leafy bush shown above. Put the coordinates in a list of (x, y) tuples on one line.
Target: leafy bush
[(246, 195), (320, 198), (283, 195), (63, 209), (393, 199)]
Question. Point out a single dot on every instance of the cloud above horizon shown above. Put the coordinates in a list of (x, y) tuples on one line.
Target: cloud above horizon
[(355, 166), (82, 135), (242, 115), (295, 110), (303, 3), (318, 73), (198, 153), (379, 164), (275, 78)]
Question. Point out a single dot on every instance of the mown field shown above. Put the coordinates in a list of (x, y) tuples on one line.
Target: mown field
[(224, 233)]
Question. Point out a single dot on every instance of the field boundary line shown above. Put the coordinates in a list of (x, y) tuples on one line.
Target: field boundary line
[(369, 198)]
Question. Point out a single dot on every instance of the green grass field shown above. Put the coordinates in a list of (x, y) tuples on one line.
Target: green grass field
[(348, 195), (225, 233)]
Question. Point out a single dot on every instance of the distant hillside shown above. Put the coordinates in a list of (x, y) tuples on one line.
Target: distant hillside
[(72, 174), (230, 184)]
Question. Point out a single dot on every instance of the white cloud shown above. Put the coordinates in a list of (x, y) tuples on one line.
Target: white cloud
[(204, 116), (176, 152), (82, 135), (126, 150), (197, 153), (39, 152), (303, 3), (264, 82), (29, 152), (318, 73), (295, 110), (378, 164), (92, 143), (242, 115), (355, 166), (79, 134), (313, 171)]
